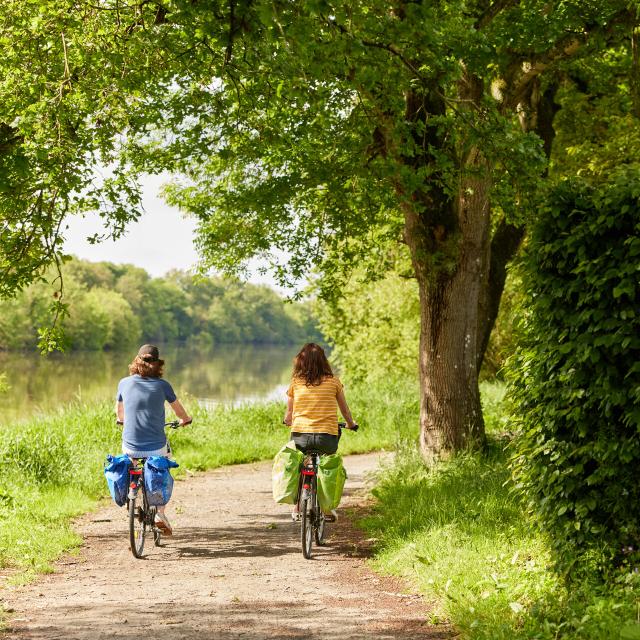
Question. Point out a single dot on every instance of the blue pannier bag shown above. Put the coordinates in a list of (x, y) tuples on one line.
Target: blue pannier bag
[(116, 472), (157, 479)]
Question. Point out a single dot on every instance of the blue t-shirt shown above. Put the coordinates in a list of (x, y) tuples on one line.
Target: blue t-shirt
[(144, 419)]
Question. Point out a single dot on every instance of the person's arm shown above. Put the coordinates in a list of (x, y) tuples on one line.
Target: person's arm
[(344, 408), (288, 416), (180, 412), (119, 411)]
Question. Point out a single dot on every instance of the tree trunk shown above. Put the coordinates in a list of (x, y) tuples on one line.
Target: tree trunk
[(450, 295)]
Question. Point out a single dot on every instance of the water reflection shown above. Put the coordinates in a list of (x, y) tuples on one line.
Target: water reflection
[(226, 374)]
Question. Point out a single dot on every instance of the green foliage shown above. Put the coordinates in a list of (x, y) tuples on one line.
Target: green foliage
[(458, 532), (62, 110), (112, 306), (597, 125), (576, 381), (373, 328), (318, 167)]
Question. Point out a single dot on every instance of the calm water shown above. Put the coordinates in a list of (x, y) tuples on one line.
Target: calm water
[(225, 374)]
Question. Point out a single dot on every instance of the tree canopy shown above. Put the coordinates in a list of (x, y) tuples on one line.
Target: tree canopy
[(316, 135)]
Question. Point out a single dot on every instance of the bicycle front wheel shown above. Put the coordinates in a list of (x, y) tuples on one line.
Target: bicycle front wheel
[(307, 527), (137, 525)]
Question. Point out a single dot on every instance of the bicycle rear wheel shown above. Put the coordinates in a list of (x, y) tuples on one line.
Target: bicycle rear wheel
[(137, 525), (307, 527)]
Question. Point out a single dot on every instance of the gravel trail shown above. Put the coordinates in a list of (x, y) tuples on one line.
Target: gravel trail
[(233, 569)]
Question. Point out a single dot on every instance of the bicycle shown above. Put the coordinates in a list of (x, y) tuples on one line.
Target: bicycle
[(142, 516), (312, 519)]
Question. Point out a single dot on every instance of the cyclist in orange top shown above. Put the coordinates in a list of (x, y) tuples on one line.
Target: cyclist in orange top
[(314, 397)]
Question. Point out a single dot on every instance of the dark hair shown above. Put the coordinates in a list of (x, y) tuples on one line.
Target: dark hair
[(146, 366), (311, 365)]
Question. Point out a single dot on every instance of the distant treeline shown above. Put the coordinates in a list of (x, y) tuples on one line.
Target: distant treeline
[(113, 306)]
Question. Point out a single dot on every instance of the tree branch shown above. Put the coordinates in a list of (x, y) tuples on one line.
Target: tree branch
[(527, 67), (493, 10), (635, 70), (232, 31), (504, 246), (379, 45)]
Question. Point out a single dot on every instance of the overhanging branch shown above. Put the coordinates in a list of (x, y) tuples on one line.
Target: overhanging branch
[(493, 10), (527, 67)]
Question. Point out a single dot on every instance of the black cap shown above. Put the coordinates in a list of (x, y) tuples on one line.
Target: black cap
[(149, 353)]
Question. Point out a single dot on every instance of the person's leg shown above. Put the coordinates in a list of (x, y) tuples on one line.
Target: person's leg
[(302, 441), (162, 522)]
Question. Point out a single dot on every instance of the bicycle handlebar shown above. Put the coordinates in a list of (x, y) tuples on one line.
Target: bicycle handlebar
[(341, 425), (174, 424)]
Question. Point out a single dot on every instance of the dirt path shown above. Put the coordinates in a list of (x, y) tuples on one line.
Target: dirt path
[(233, 569)]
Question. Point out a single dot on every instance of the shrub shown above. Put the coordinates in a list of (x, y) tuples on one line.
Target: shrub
[(575, 383)]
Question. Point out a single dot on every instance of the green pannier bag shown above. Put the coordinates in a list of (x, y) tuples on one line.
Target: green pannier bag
[(285, 473), (331, 477)]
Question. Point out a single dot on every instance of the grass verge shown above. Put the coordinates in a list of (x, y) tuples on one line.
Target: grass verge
[(459, 534), (51, 466)]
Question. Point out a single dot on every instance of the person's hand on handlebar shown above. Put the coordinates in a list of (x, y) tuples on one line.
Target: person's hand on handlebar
[(181, 413)]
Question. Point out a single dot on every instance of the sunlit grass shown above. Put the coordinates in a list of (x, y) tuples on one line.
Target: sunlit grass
[(458, 533)]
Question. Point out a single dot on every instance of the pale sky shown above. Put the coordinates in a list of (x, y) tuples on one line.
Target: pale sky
[(162, 239)]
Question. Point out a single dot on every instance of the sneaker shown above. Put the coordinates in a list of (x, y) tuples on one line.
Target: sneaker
[(331, 517), (163, 524), (295, 515)]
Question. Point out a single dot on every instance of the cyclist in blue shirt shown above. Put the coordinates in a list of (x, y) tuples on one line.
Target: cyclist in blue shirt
[(140, 406)]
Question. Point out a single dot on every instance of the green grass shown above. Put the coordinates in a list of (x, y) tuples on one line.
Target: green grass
[(458, 533), (51, 466), (455, 531)]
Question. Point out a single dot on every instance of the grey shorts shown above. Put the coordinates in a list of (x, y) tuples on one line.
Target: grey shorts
[(320, 442)]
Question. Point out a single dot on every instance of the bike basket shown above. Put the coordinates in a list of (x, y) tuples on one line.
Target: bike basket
[(116, 472), (331, 478), (284, 475), (158, 481)]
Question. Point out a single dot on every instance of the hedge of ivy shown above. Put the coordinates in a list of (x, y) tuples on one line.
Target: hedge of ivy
[(576, 380)]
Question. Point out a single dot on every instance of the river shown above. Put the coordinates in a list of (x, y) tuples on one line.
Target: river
[(224, 374)]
